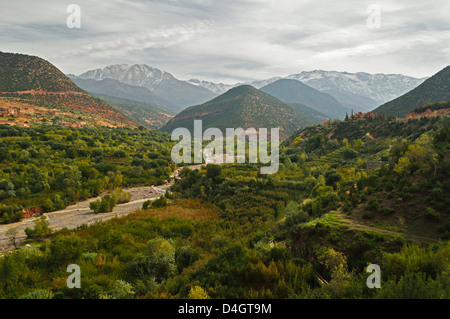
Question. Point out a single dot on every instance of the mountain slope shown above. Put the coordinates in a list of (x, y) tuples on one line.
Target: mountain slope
[(163, 84), (310, 115), (121, 90), (435, 89), (33, 90), (142, 113), (293, 91), (243, 106)]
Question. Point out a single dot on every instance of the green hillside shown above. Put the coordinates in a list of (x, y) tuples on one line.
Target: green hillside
[(435, 89), (243, 106)]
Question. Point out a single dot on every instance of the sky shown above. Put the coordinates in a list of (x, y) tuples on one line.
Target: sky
[(232, 41)]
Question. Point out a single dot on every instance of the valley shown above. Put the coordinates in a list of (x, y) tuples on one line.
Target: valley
[(87, 177)]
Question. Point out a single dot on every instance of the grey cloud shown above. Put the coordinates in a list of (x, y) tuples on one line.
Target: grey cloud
[(233, 40)]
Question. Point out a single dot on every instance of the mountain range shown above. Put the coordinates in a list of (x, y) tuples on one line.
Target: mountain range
[(128, 95), (358, 91), (160, 83)]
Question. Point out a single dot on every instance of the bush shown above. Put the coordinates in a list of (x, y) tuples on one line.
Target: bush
[(41, 229), (349, 153), (121, 196), (431, 215), (186, 257), (104, 205), (146, 204), (65, 249), (160, 202)]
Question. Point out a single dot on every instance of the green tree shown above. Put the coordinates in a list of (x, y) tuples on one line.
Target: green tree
[(41, 228), (198, 292)]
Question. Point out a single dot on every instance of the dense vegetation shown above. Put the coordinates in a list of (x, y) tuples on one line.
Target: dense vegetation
[(52, 166), (308, 231)]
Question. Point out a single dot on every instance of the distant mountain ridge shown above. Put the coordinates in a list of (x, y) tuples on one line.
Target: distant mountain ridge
[(293, 91), (435, 89), (243, 106), (160, 83), (359, 91)]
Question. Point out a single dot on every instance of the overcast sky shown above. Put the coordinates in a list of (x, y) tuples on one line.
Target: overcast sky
[(233, 40)]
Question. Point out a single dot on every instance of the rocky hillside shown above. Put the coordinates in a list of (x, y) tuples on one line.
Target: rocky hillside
[(33, 90)]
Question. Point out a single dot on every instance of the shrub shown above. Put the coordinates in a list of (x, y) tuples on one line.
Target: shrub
[(41, 228), (104, 205), (186, 257), (160, 202), (146, 204), (121, 196), (431, 215)]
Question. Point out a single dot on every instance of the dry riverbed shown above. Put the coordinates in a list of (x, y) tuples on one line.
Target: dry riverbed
[(78, 214)]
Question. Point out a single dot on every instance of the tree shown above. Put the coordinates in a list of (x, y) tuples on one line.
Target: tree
[(349, 153), (162, 256), (186, 257), (65, 249), (41, 229), (121, 290), (160, 202), (104, 205), (213, 171), (12, 236), (198, 292)]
